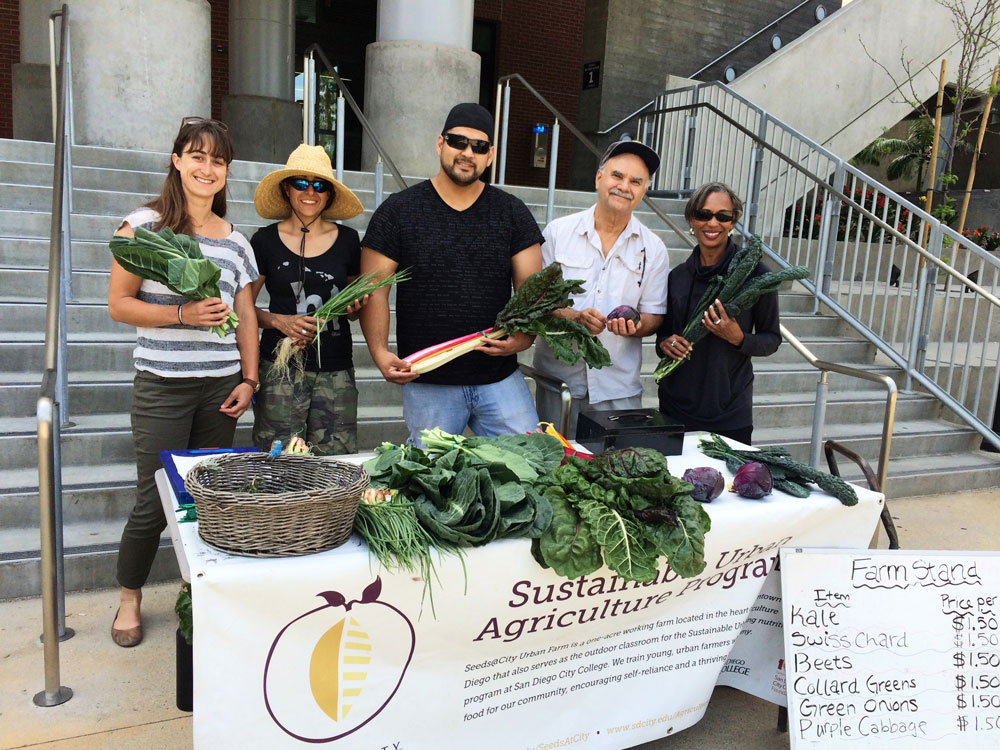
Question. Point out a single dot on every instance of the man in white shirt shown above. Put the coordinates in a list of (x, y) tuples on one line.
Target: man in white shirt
[(621, 262)]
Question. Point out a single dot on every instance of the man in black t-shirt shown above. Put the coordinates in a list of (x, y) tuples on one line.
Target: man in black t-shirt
[(465, 244)]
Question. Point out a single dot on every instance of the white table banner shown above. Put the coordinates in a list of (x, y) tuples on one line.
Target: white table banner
[(329, 649)]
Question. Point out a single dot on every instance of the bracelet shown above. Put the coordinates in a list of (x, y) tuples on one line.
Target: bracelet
[(179, 318)]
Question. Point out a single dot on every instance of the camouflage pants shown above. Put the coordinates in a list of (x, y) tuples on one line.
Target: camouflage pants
[(319, 407)]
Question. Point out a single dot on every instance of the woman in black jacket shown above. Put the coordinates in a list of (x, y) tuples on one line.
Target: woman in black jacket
[(713, 391)]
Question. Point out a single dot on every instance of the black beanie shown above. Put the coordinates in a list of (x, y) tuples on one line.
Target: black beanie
[(470, 115)]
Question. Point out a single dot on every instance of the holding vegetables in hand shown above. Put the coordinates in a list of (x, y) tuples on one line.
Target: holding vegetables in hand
[(713, 389), (306, 260), (182, 293)]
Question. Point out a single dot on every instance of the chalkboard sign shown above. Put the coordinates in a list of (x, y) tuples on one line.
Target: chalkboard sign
[(892, 649)]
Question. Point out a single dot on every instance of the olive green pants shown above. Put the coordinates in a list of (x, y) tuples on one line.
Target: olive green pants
[(319, 407), (167, 414)]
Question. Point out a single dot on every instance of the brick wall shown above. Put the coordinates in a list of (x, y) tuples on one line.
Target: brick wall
[(220, 60), (10, 53), (550, 62)]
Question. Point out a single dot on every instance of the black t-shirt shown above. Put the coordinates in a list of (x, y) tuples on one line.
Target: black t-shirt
[(461, 272), (324, 275)]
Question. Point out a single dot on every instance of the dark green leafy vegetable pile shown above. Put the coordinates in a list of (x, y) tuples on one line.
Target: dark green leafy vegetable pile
[(790, 476), (470, 491), (529, 311), (625, 510), (737, 292), (174, 260)]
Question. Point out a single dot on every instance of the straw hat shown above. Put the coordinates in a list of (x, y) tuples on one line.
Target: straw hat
[(311, 161)]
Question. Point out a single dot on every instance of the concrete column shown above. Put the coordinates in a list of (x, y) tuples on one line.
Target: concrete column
[(32, 95), (264, 121), (139, 66), (420, 65)]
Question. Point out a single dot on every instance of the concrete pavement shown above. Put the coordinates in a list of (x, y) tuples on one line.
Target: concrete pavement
[(124, 698)]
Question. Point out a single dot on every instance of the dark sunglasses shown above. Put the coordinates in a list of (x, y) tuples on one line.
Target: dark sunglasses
[(301, 184), (459, 142), (723, 217), (194, 120)]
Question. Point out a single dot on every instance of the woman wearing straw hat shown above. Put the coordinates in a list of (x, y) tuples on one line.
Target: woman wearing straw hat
[(304, 259)]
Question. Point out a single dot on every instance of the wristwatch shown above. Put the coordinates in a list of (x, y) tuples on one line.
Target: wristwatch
[(252, 383)]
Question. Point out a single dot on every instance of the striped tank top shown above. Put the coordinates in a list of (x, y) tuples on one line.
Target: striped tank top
[(182, 351)]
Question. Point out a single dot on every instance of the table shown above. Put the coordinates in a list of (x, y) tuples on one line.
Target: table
[(328, 648)]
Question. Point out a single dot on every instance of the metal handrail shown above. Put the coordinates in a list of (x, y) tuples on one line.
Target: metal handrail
[(315, 49), (49, 464), (858, 207), (556, 386), (799, 347), (822, 387), (560, 119), (833, 197), (749, 39)]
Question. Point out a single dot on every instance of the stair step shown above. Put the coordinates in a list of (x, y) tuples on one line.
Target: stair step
[(919, 437), (91, 567)]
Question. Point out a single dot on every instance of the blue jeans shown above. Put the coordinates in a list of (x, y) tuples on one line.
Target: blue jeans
[(502, 408)]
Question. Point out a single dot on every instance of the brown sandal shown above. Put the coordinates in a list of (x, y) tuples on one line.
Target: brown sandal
[(125, 638)]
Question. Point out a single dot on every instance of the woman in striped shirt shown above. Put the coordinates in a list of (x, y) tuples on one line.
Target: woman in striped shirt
[(190, 386)]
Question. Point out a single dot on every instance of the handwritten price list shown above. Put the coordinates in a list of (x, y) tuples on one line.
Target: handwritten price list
[(892, 649)]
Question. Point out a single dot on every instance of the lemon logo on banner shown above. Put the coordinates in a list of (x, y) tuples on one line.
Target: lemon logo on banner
[(334, 668)]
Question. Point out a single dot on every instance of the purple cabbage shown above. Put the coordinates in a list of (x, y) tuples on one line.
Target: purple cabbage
[(753, 480), (708, 483), (625, 311)]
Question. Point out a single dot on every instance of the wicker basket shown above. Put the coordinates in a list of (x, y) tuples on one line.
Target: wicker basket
[(254, 505)]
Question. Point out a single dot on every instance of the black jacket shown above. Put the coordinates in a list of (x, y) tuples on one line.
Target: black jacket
[(713, 390)]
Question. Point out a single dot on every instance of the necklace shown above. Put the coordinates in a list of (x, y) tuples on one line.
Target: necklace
[(302, 256)]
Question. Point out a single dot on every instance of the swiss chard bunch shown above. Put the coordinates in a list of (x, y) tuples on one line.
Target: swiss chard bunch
[(623, 509), (174, 260), (530, 311), (736, 290)]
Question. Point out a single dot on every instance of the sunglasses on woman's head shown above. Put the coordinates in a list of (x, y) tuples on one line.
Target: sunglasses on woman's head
[(459, 142), (301, 184), (195, 120), (723, 217)]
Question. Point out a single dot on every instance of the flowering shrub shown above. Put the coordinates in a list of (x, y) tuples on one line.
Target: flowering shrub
[(983, 237), (800, 221)]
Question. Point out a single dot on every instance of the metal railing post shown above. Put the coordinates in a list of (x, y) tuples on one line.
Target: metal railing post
[(496, 133), (819, 419), (756, 167), (308, 100), (48, 433), (687, 150), (379, 175), (553, 162), (47, 412), (828, 235), (340, 135), (936, 246), (65, 246), (503, 135), (917, 347)]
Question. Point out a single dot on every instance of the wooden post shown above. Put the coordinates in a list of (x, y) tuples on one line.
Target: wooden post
[(975, 155), (932, 167)]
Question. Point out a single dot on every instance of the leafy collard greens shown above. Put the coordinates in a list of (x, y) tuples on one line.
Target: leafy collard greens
[(623, 510), (470, 491), (530, 311), (174, 260)]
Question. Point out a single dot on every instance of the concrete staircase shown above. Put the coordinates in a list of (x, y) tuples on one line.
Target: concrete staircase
[(97, 455)]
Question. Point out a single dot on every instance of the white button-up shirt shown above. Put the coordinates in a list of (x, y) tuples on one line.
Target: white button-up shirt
[(634, 272)]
